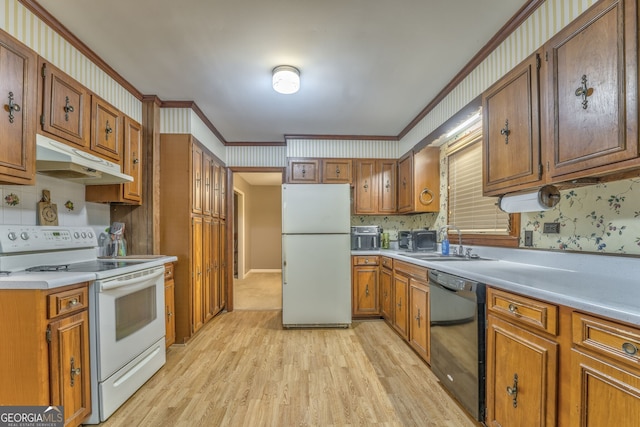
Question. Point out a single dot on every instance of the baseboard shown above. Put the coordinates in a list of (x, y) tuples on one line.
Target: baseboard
[(265, 270)]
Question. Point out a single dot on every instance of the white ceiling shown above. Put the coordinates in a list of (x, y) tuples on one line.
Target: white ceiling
[(368, 67)]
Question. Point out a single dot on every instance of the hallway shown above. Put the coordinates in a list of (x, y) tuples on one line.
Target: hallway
[(258, 291)]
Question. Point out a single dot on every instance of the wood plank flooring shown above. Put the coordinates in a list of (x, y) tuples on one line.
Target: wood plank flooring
[(243, 369)]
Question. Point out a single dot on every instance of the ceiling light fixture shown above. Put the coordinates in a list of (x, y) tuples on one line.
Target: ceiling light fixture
[(286, 79)]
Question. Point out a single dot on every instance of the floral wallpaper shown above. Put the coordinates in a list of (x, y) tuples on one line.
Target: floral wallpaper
[(602, 218), (599, 218)]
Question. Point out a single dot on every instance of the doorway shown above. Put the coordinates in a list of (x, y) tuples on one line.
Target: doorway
[(257, 224)]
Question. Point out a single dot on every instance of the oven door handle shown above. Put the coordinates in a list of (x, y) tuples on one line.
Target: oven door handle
[(137, 281)]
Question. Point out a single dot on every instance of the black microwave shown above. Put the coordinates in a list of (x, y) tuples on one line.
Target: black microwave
[(418, 240)]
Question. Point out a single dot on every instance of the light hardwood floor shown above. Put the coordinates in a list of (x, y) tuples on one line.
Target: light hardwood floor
[(243, 369)]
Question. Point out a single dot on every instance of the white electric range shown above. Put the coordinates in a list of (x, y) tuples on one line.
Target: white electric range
[(126, 304)]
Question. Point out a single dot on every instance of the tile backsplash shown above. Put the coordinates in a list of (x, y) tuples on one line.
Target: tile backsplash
[(19, 204)]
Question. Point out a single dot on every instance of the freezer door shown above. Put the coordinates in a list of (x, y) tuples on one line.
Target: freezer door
[(316, 280), (316, 208)]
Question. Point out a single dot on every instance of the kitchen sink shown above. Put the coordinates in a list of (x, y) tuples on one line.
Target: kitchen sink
[(438, 258)]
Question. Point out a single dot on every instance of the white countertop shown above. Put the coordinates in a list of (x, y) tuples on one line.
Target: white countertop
[(56, 279), (605, 285)]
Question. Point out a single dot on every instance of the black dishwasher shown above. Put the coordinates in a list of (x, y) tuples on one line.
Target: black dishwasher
[(457, 308)]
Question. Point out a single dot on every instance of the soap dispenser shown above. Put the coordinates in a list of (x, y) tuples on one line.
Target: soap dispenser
[(445, 244)]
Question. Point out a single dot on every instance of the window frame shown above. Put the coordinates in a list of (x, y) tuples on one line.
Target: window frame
[(509, 240)]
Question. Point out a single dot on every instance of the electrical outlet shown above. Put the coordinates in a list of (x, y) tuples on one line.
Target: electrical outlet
[(551, 227), (528, 238)]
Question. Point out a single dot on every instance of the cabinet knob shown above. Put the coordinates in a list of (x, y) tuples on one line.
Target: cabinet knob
[(73, 302), (513, 308), (68, 108), (584, 91), (74, 371), (12, 107), (108, 130), (630, 349), (366, 291), (513, 390), (505, 131), (418, 318)]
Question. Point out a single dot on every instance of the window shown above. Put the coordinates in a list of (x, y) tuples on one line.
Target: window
[(477, 216)]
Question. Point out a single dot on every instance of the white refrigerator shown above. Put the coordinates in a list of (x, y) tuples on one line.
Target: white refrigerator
[(316, 255)]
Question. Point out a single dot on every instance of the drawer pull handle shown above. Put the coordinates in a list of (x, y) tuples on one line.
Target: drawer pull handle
[(630, 349), (366, 291), (513, 308), (73, 302), (418, 318), (513, 391)]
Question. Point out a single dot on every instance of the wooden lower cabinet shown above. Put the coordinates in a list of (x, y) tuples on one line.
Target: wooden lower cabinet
[(365, 285), (419, 329), (605, 373), (522, 372), (386, 294), (169, 303), (48, 362), (401, 305)]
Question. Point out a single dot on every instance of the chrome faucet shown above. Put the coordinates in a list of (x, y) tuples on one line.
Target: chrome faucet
[(460, 250)]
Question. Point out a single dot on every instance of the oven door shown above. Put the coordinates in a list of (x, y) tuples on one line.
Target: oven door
[(130, 317)]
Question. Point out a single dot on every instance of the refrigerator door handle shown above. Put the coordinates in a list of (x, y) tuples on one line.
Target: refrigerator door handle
[(284, 263)]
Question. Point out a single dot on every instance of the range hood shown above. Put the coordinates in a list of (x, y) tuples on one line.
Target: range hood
[(65, 162)]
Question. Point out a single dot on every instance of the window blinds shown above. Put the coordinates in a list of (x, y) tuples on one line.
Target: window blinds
[(468, 208)]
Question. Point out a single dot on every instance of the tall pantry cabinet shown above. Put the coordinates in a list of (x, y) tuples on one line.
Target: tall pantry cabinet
[(192, 208)]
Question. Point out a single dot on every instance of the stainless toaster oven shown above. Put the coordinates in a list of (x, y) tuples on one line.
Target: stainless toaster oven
[(418, 240)]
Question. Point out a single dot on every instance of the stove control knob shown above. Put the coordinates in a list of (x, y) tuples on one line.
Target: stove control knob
[(90, 234), (84, 235), (12, 236), (24, 235), (76, 235)]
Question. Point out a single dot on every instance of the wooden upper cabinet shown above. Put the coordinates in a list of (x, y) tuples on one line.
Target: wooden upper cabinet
[(132, 163), (336, 171), (365, 187), (129, 193), (419, 181), (106, 129), (511, 129), (304, 171), (405, 183), (375, 186), (18, 84), (426, 180), (215, 199), (66, 107), (223, 192), (592, 93), (209, 184), (387, 171), (197, 179)]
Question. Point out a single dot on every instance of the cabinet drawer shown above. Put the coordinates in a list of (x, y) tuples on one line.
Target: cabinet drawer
[(412, 270), (621, 342), (386, 262), (168, 272), (537, 314), (365, 260), (69, 301)]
